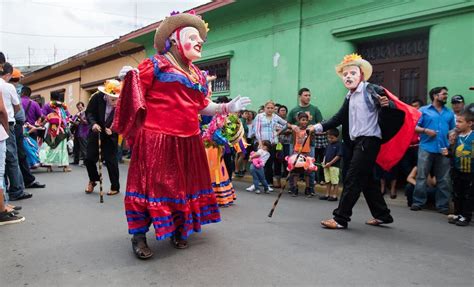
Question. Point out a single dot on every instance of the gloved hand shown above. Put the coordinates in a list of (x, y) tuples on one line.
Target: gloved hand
[(237, 104), (317, 128), (125, 70)]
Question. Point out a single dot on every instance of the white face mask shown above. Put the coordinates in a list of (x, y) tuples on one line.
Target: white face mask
[(351, 77), (190, 42)]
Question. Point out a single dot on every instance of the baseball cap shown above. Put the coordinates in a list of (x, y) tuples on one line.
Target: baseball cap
[(457, 99), (17, 74)]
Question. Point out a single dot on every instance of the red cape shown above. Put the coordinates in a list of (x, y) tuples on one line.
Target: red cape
[(392, 151)]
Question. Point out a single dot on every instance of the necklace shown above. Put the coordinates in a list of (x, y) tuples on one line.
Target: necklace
[(192, 75)]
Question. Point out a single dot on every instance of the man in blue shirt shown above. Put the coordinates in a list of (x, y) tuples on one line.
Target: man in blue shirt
[(434, 125)]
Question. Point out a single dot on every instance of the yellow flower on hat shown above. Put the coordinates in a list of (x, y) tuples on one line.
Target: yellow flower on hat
[(355, 60), (350, 58), (111, 88)]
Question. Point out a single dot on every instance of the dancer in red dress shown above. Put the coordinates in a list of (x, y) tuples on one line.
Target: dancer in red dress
[(168, 182)]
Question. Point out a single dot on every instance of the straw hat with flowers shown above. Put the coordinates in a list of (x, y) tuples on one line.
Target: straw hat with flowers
[(355, 60), (111, 88)]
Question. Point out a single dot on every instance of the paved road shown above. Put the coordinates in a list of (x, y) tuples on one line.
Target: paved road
[(69, 239)]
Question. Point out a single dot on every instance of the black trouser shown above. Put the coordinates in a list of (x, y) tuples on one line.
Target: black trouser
[(28, 177), (408, 161), (268, 168), (463, 193), (229, 162), (360, 162), (319, 156), (109, 155), (80, 149)]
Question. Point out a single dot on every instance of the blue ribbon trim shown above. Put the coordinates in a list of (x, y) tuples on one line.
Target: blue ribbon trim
[(168, 199), (172, 77), (221, 184)]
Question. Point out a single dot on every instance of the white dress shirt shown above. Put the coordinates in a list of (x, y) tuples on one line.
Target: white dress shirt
[(363, 114)]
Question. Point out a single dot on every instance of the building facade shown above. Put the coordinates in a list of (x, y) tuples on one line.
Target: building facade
[(268, 49), (78, 77)]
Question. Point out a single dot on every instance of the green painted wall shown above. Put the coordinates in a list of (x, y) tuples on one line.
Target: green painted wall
[(310, 46), (452, 63)]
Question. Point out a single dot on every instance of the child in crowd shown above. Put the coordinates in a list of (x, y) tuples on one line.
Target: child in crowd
[(31, 146), (331, 163), (300, 146), (387, 178), (462, 171), (258, 173)]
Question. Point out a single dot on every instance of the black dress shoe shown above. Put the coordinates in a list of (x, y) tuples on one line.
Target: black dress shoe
[(36, 185), (24, 195), (415, 208)]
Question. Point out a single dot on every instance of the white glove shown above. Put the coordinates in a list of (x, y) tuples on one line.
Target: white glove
[(125, 70), (318, 128), (238, 104)]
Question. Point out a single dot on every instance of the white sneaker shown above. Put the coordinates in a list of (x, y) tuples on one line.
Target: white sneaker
[(250, 188), (270, 189), (257, 191), (8, 218)]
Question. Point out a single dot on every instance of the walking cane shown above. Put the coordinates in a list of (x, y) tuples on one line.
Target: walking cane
[(101, 191), (287, 178)]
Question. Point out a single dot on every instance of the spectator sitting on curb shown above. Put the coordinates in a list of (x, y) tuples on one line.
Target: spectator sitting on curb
[(410, 187)]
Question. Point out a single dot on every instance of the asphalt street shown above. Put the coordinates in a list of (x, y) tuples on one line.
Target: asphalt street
[(70, 239)]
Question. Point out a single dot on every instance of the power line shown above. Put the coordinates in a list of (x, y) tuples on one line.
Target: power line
[(53, 36)]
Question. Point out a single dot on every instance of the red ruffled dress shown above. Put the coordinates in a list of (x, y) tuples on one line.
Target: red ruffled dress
[(168, 182)]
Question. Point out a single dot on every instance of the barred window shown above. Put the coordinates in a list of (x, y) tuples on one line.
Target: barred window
[(61, 93), (221, 69)]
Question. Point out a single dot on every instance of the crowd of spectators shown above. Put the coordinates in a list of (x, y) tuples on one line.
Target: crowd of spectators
[(429, 172)]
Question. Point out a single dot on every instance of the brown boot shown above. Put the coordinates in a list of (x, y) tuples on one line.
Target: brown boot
[(140, 247), (178, 242), (90, 186)]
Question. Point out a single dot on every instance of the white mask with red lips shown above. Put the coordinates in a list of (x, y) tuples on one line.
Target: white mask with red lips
[(189, 43)]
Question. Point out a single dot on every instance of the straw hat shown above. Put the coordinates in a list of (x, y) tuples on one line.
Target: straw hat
[(355, 60), (175, 21), (111, 88)]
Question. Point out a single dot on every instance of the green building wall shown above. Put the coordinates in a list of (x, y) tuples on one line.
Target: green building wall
[(311, 37)]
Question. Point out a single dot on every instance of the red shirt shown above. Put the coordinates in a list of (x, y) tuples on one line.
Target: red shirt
[(173, 100)]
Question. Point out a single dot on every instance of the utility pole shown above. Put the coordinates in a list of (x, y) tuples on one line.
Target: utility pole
[(136, 14)]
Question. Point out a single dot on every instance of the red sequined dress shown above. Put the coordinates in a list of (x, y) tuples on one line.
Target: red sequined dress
[(168, 182)]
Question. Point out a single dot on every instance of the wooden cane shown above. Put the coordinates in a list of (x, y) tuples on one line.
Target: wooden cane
[(287, 178), (101, 191)]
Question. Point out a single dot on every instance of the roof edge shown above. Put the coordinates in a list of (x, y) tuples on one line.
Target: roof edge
[(199, 10)]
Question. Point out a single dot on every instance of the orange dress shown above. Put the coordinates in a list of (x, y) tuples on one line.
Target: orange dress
[(221, 184)]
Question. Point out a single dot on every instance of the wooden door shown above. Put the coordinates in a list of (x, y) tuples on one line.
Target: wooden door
[(400, 65)]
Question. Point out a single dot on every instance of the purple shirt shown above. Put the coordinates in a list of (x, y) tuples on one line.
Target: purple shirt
[(34, 112), (82, 130)]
